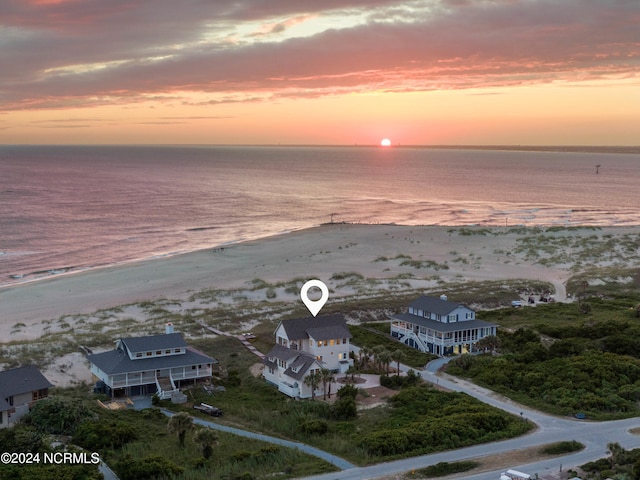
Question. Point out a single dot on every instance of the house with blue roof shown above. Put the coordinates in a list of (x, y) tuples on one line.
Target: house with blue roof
[(155, 364), (439, 326)]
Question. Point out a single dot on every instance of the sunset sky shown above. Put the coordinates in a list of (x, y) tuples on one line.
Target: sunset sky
[(529, 72)]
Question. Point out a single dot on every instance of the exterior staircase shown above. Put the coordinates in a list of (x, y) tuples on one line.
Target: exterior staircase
[(166, 388), (416, 340)]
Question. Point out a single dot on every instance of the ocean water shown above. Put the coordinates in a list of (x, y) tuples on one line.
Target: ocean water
[(66, 208)]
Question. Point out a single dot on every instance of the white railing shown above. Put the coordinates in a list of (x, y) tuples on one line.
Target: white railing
[(445, 342), (288, 389)]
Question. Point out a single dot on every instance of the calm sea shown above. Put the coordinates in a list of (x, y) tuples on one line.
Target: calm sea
[(72, 208)]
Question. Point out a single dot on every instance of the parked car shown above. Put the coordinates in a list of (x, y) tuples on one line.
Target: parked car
[(208, 409), (516, 303)]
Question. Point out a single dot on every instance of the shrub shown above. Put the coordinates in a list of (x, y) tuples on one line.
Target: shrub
[(150, 467), (344, 409), (58, 415), (347, 391), (96, 435), (444, 468), (314, 427), (562, 447)]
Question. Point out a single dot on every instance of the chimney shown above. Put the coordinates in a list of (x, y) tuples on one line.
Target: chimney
[(168, 329), (443, 297)]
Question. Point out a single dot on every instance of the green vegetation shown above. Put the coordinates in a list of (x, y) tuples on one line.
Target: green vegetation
[(621, 463), (143, 445), (560, 448), (621, 308), (377, 334), (445, 468), (592, 369), (424, 420)]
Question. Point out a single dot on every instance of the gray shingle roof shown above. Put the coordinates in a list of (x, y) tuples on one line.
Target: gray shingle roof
[(327, 333), (301, 360), (440, 326), (435, 305), (282, 353), (21, 380), (117, 361), (329, 326), (154, 342)]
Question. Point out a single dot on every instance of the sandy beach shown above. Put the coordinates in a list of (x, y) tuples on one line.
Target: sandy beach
[(412, 257)]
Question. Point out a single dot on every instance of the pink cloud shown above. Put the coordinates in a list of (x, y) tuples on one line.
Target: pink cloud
[(153, 49)]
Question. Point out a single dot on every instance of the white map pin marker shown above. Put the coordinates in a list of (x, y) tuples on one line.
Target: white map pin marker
[(314, 306)]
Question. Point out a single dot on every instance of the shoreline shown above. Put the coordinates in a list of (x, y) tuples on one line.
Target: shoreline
[(53, 273), (232, 265), (50, 274)]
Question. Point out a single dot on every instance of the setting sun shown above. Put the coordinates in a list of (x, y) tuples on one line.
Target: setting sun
[(385, 142)]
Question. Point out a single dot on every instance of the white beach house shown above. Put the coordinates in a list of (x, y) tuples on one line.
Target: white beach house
[(439, 326), (305, 345)]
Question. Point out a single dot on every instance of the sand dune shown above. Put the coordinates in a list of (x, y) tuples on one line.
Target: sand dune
[(374, 251)]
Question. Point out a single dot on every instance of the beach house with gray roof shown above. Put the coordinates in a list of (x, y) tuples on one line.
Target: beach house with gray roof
[(439, 326), (20, 388), (152, 364), (305, 345)]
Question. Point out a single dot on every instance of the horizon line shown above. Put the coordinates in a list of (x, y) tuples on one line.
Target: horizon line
[(570, 148)]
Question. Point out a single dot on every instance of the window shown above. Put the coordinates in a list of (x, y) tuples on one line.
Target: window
[(319, 343), (319, 357), (344, 340), (38, 394), (139, 355), (332, 342), (148, 354), (193, 367), (326, 342), (167, 352), (340, 356), (158, 352), (338, 341), (177, 350)]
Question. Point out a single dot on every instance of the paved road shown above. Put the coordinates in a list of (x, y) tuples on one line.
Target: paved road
[(337, 461), (594, 435)]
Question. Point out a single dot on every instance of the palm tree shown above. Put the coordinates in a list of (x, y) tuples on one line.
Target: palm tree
[(364, 356), (325, 374), (398, 356), (180, 423), (207, 438), (330, 379), (376, 351), (313, 380), (385, 358)]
